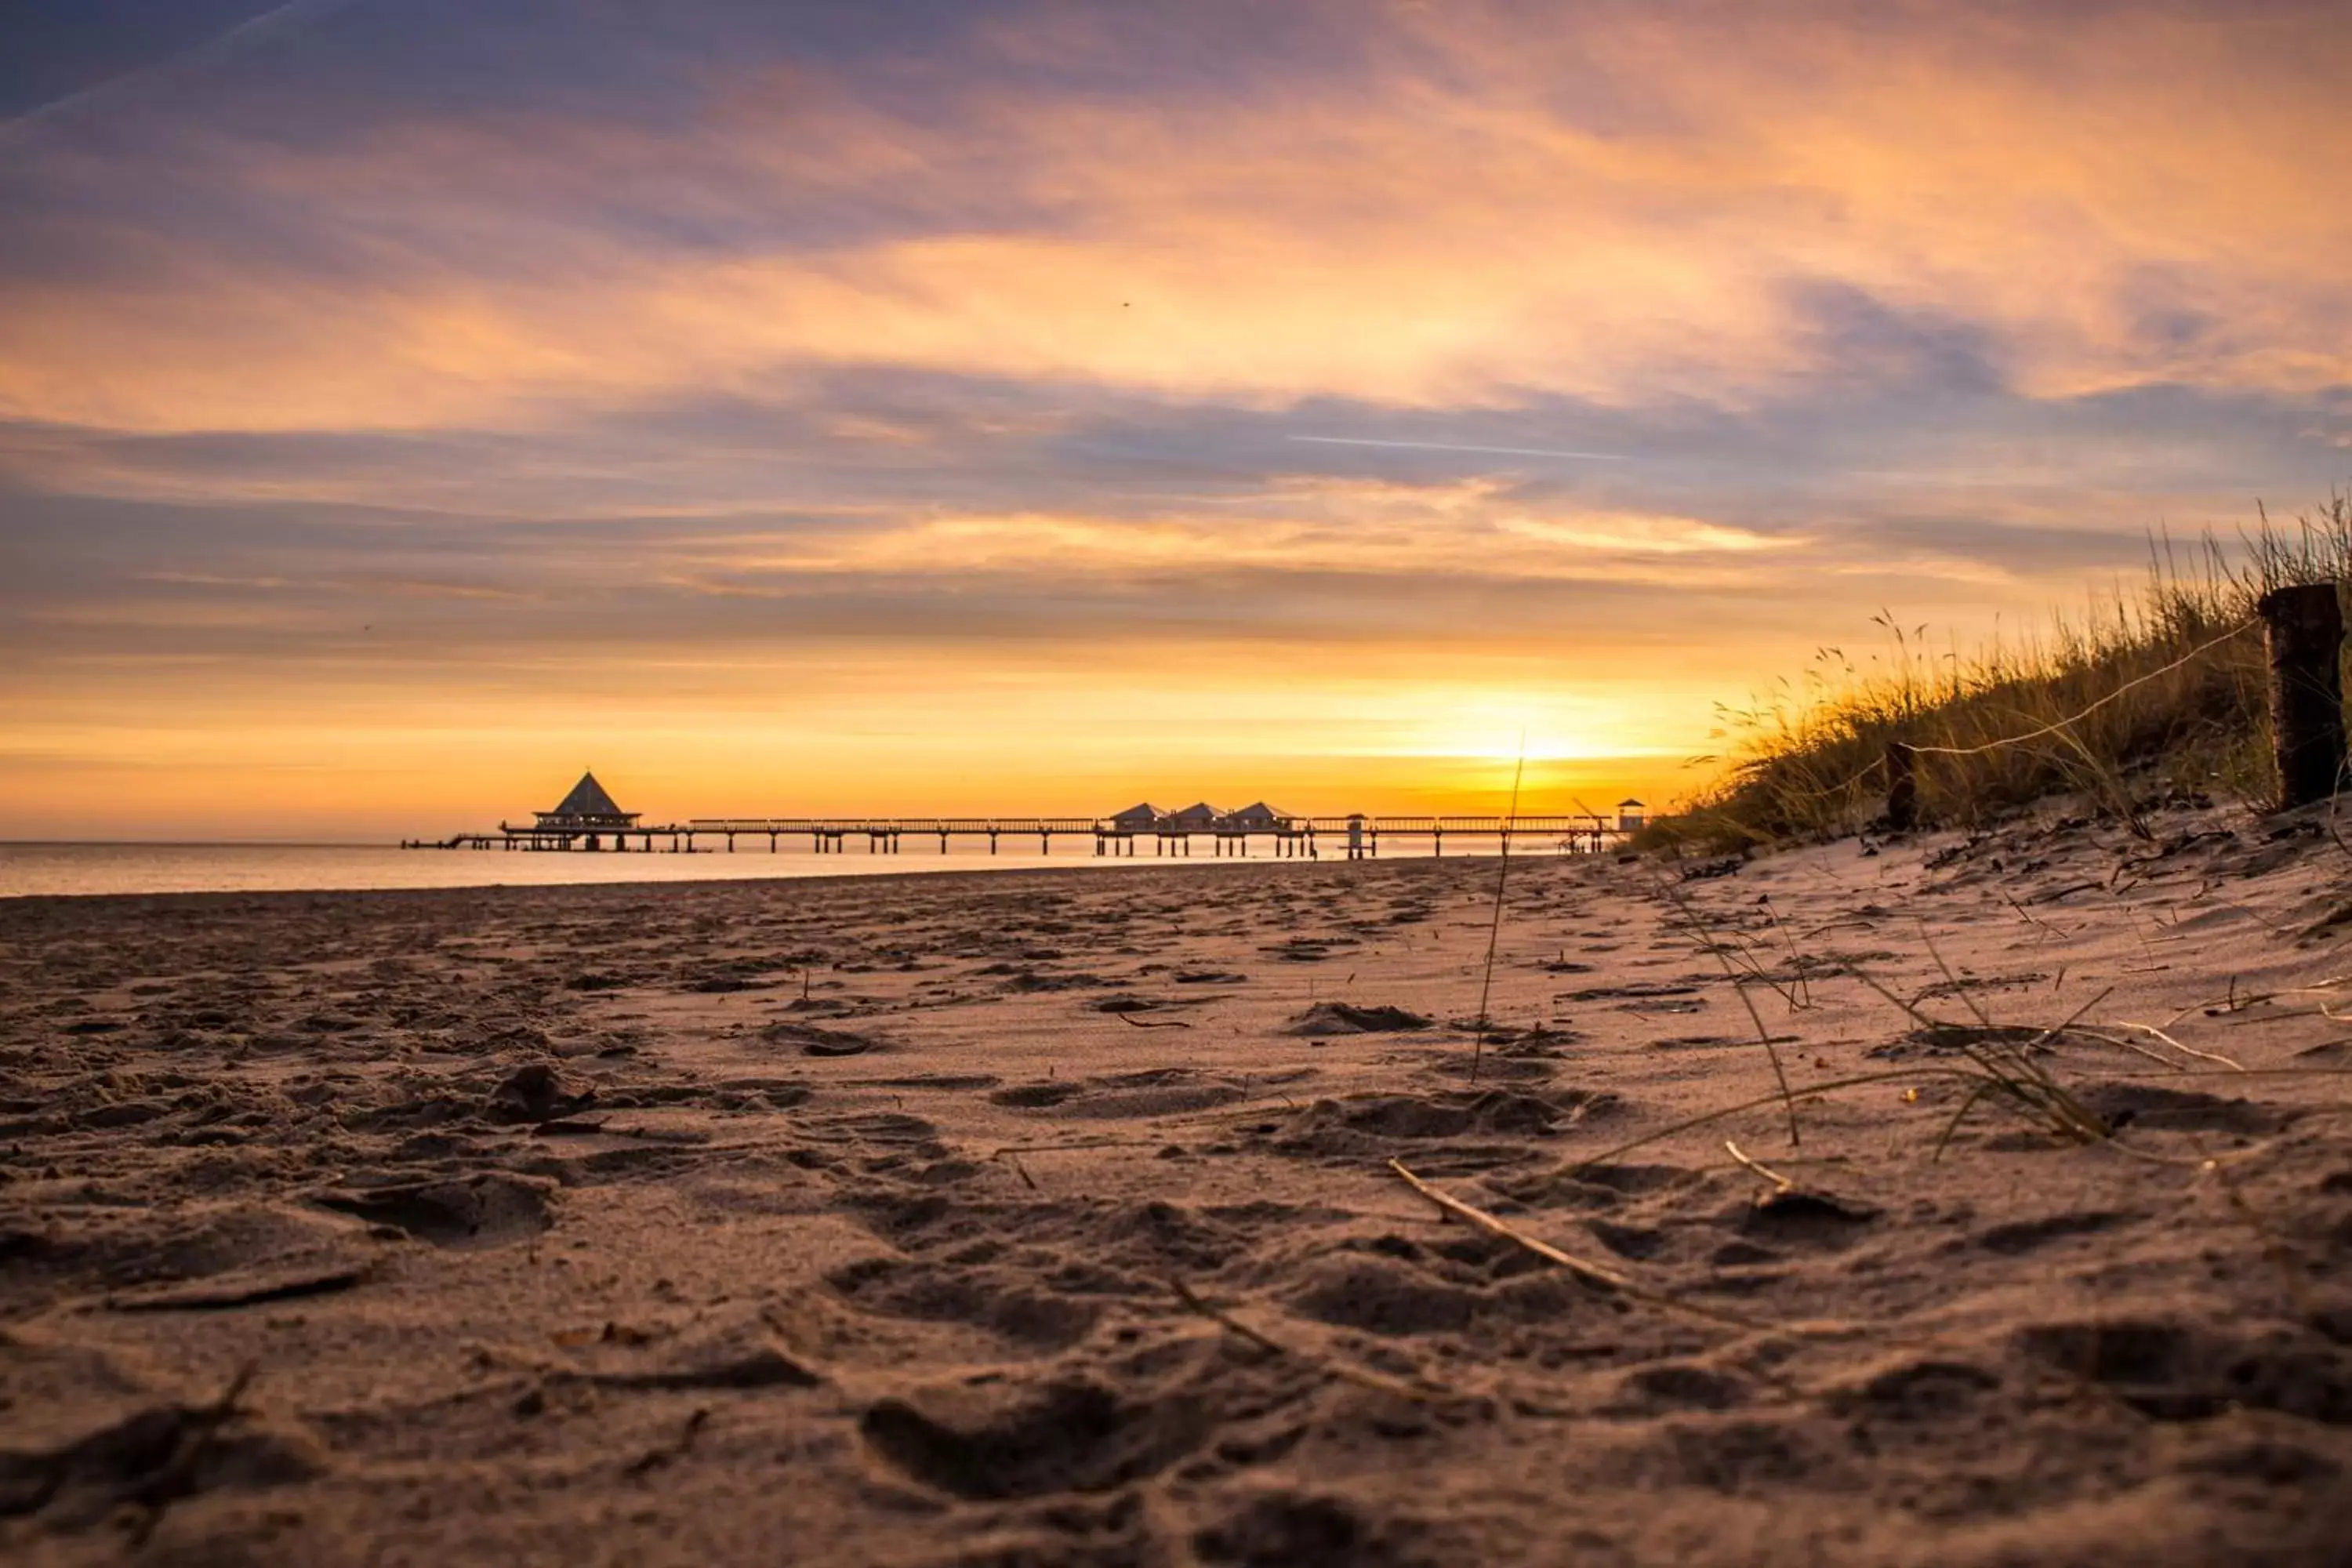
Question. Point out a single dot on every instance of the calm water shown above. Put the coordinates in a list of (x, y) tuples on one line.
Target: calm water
[(51, 868)]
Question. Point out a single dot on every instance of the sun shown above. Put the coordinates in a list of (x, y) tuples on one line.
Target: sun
[(1539, 728)]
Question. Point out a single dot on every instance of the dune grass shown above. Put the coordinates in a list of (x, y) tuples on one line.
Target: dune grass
[(2153, 695)]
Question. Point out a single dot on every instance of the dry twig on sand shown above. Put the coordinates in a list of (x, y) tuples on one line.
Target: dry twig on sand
[(1495, 927), (1592, 1273), (1763, 1034), (1419, 1393), (1779, 1182)]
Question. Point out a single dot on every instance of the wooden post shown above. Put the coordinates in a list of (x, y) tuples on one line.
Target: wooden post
[(2303, 629), (1902, 787)]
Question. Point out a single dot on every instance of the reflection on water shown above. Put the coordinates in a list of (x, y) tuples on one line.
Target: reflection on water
[(28, 869)]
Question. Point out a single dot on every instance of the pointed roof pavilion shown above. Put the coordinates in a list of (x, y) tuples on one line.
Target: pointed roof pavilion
[(588, 805)]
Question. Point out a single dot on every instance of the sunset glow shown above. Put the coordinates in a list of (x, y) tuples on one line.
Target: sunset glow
[(1029, 406)]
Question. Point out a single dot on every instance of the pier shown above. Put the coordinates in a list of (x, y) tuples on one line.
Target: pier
[(1354, 837), (589, 821)]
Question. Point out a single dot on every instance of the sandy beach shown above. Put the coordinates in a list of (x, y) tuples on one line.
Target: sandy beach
[(1056, 1218)]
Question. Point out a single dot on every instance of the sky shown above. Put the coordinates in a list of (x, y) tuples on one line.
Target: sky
[(906, 407)]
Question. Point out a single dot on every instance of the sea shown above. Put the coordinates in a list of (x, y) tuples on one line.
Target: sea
[(54, 869)]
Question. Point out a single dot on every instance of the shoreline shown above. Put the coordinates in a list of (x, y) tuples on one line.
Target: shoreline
[(1079, 865)]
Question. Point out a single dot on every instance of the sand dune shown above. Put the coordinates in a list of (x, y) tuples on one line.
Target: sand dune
[(1051, 1218)]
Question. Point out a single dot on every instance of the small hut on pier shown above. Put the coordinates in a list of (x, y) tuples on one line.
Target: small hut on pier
[(1630, 815), (1198, 817), (1257, 817), (1140, 818), (587, 809)]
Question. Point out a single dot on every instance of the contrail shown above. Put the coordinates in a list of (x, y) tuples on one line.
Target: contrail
[(249, 34), (1457, 446)]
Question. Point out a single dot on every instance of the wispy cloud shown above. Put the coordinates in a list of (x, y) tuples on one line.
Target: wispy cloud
[(1462, 447)]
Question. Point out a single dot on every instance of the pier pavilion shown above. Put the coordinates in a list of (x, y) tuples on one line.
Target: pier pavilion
[(588, 809), (1140, 818)]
